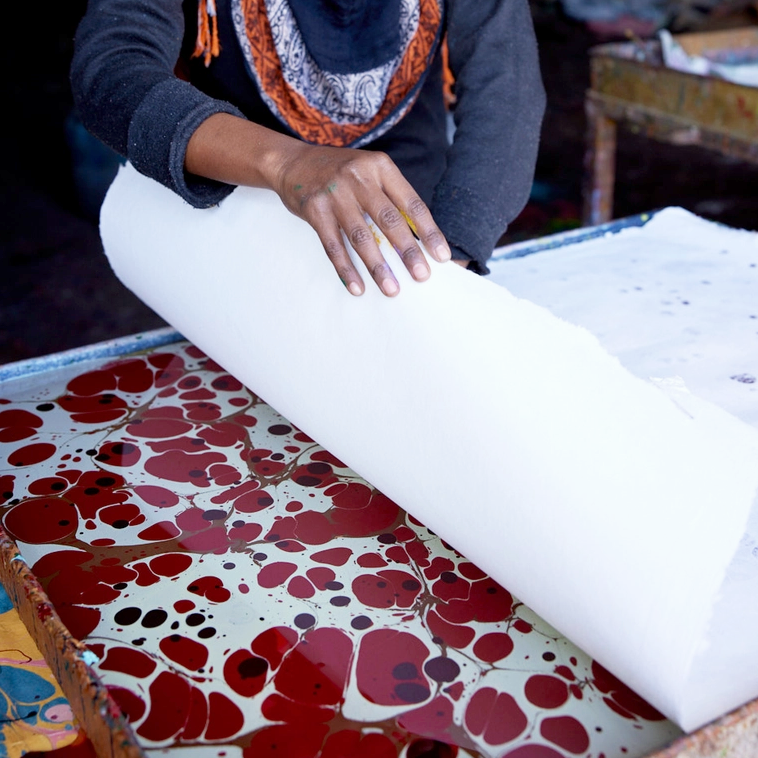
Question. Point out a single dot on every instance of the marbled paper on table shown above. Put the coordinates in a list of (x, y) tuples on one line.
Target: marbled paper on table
[(247, 594)]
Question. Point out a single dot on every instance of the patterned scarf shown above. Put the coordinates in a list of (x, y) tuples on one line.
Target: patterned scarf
[(321, 106)]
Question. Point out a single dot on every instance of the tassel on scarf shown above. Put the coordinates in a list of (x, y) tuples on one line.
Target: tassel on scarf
[(207, 32)]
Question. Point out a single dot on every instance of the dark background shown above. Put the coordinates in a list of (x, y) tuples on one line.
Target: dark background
[(57, 291)]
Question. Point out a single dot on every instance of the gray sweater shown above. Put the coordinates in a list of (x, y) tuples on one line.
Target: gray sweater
[(128, 94)]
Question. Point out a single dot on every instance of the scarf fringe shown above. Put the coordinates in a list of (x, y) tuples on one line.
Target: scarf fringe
[(207, 44)]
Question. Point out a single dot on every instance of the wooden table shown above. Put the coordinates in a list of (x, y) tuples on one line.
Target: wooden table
[(631, 86)]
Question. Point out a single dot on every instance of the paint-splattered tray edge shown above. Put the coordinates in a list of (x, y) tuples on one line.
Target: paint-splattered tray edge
[(67, 657)]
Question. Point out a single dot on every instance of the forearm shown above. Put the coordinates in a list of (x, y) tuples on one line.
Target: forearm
[(236, 151)]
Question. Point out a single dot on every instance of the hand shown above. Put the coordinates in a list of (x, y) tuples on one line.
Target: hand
[(332, 187)]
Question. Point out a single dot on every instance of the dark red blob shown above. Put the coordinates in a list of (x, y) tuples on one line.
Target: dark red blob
[(18, 425), (390, 668), (99, 409), (197, 719), (6, 488), (131, 705), (245, 673), (566, 732), (119, 454), (283, 740), (454, 635), (122, 515), (210, 587), (487, 601), (128, 661), (275, 574), (163, 530), (386, 589), (184, 651), (42, 520), (160, 497), (494, 715), (30, 455), (534, 751), (301, 588), (92, 383), (179, 466), (620, 698), (133, 375), (170, 564), (320, 576), (315, 672), (169, 706), (493, 647), (274, 644), (278, 708), (432, 720), (48, 485), (224, 717), (158, 428), (546, 691)]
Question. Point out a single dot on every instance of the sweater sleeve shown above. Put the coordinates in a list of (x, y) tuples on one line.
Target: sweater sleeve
[(500, 101), (127, 95)]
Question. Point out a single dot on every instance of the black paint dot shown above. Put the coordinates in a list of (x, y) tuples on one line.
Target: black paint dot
[(57, 486), (120, 524), (410, 692), (64, 522), (405, 670), (304, 620), (442, 669), (251, 668), (361, 622), (214, 514), (279, 429), (154, 618), (196, 472), (91, 491), (120, 586), (127, 616), (195, 619), (449, 577), (45, 407), (548, 656), (139, 642), (105, 481), (340, 601), (229, 566), (175, 625), (411, 585), (259, 556), (307, 481), (277, 456), (206, 633), (238, 523), (387, 538), (264, 500), (334, 585), (319, 469)]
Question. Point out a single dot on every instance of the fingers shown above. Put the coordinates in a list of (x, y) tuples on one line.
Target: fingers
[(329, 228)]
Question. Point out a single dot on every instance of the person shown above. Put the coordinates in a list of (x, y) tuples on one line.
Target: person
[(336, 105)]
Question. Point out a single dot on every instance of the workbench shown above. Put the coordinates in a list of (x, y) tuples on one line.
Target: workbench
[(154, 443), (632, 88)]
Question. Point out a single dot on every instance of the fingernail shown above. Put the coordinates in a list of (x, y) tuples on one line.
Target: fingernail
[(354, 289), (420, 272), (443, 253), (389, 287)]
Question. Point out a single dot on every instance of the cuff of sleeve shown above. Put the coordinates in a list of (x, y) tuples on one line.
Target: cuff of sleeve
[(158, 135), (456, 210)]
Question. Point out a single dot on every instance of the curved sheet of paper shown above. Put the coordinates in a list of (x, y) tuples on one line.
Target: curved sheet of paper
[(555, 469)]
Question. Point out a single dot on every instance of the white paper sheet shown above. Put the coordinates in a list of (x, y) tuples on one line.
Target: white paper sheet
[(610, 509)]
